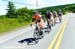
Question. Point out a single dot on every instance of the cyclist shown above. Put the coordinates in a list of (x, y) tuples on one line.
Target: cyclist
[(39, 24), (55, 17), (48, 16), (60, 15), (51, 19)]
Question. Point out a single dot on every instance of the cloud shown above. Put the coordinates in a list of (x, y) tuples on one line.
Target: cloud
[(66, 1), (3, 11), (41, 3), (31, 1)]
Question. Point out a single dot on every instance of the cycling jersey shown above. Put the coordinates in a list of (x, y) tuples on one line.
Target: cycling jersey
[(35, 18), (59, 13), (54, 15), (48, 15)]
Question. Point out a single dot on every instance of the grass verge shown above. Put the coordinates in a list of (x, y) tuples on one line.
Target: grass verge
[(8, 24)]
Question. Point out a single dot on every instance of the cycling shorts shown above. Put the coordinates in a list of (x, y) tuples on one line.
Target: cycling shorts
[(59, 15)]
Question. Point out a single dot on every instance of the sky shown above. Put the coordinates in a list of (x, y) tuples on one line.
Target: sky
[(31, 4)]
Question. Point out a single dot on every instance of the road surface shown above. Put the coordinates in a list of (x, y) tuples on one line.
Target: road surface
[(61, 37)]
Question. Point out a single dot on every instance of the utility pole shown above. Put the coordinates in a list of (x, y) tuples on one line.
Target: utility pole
[(37, 5)]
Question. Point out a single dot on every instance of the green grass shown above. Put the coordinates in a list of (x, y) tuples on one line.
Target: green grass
[(8, 24)]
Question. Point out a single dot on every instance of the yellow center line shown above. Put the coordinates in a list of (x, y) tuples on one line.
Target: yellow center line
[(54, 39), (60, 37)]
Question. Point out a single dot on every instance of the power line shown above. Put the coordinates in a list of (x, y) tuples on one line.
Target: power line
[(24, 3)]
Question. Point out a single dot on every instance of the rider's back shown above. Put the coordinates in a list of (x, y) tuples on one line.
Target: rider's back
[(48, 15)]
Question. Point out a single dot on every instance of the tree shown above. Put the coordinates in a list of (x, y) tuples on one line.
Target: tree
[(24, 14), (11, 10), (70, 9)]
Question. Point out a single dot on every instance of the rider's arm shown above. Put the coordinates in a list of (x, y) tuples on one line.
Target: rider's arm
[(41, 24)]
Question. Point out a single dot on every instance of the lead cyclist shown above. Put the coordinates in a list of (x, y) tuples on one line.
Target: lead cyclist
[(38, 26)]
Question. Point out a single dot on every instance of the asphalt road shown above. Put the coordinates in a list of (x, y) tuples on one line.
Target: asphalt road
[(67, 41)]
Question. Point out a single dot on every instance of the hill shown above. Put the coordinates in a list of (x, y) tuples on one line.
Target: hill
[(62, 7)]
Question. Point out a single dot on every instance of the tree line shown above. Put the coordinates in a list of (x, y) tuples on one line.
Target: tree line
[(64, 8), (22, 13)]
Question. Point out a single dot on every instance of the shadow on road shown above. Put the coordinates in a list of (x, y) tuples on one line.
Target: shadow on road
[(29, 41)]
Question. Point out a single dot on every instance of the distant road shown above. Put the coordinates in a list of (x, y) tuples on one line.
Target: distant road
[(65, 38)]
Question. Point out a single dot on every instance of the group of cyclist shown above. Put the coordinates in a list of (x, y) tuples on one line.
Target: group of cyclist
[(52, 17), (50, 20)]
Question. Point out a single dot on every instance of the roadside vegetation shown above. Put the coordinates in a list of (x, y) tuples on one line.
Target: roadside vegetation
[(14, 18)]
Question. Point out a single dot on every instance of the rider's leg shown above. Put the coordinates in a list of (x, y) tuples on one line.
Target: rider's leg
[(50, 22), (54, 21), (60, 19)]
